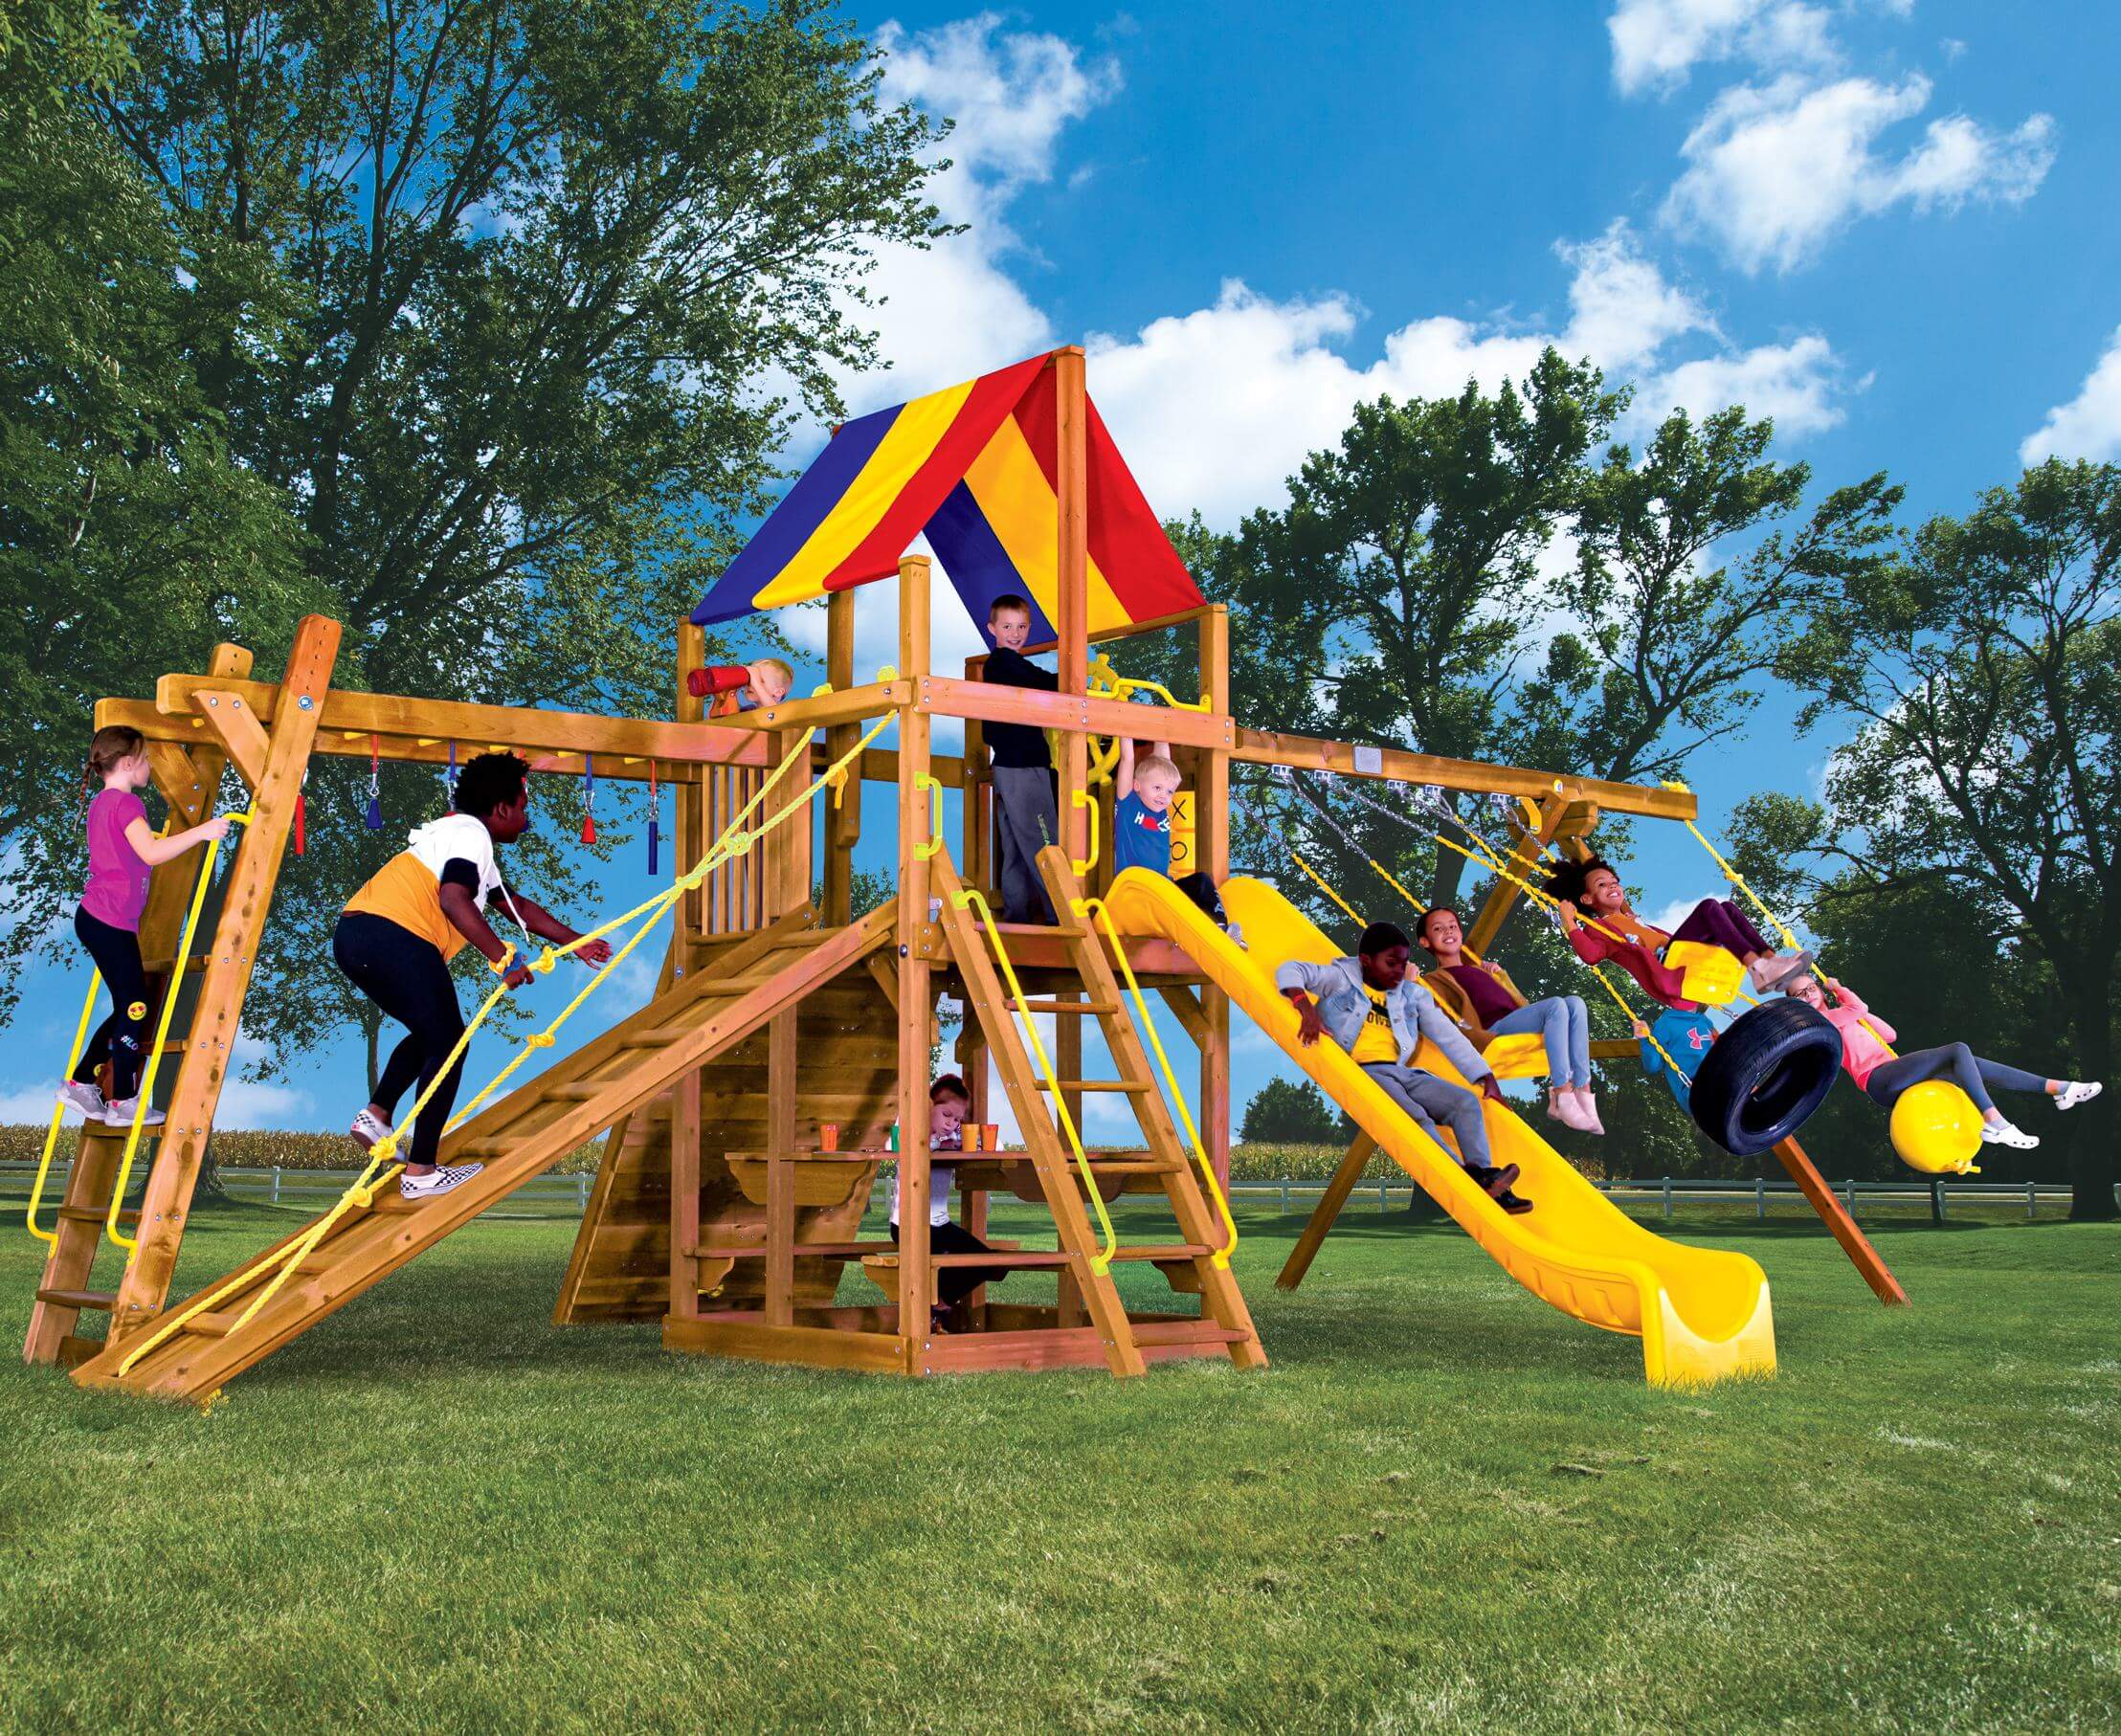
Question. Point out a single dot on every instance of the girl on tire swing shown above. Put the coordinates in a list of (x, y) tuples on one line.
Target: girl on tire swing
[(1885, 1078)]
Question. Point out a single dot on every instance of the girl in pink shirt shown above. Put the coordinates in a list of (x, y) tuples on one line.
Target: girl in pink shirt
[(1885, 1078), (122, 852)]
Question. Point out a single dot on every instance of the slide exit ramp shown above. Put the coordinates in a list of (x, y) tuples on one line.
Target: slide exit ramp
[(1702, 1314)]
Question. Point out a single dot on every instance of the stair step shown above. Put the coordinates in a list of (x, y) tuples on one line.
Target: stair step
[(1131, 1087), (1132, 1165), (105, 1300), (1032, 1259), (581, 1091), (1064, 933), (160, 967), (1063, 1007), (213, 1324)]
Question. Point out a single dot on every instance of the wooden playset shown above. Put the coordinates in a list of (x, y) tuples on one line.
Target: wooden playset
[(720, 1207)]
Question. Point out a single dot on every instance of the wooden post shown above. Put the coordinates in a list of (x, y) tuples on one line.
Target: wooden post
[(1211, 851), (916, 1002), (217, 1014), (1072, 625), (1326, 1212), (684, 1195), (1504, 894), (842, 811), (1854, 1242), (690, 816)]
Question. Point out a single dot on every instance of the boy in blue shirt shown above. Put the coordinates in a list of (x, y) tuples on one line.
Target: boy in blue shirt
[(1685, 1036), (1141, 823)]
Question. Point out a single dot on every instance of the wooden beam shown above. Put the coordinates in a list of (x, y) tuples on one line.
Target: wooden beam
[(916, 999), (1071, 714), (217, 1014), (685, 1194), (241, 736), (1835, 1215), (1212, 850), (690, 803), (871, 700), (1072, 579), (843, 805), (522, 728), (1504, 894), (1274, 747), (1326, 1212)]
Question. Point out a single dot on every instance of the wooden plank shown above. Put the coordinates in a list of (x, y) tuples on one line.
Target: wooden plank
[(217, 1016), (815, 1346), (942, 696), (1326, 1212), (916, 999), (780, 1176), (684, 1196), (1835, 1215), (872, 699), (1504, 894), (1276, 747)]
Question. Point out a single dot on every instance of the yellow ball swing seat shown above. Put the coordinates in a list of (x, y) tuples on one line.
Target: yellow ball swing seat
[(1936, 1130)]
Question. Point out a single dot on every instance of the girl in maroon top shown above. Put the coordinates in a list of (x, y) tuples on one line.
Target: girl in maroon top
[(122, 852), (1496, 1009)]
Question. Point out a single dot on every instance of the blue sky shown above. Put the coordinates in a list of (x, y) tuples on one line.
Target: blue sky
[(1886, 222)]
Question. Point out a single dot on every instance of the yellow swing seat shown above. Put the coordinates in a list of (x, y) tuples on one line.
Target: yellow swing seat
[(1521, 1055), (1936, 1130), (1710, 975)]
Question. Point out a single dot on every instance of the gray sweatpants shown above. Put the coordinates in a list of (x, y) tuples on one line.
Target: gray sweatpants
[(1429, 1099), (1026, 821)]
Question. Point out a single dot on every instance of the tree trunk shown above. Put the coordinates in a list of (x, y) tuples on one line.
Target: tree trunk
[(2094, 1143)]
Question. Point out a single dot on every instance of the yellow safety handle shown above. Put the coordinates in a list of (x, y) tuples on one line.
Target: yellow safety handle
[(934, 788), (50, 1237), (145, 1093), (1085, 907), (966, 899), (1085, 800)]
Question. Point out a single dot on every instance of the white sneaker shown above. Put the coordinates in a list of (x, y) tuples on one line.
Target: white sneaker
[(437, 1181), (2002, 1133), (80, 1094), (1237, 937), (369, 1129), (2073, 1091), (120, 1114)]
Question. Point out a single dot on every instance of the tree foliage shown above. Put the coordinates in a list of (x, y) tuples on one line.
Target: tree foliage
[(1291, 1112)]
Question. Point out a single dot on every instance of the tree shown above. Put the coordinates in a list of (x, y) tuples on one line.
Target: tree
[(1983, 675), (131, 536), (1673, 636), (1292, 1112), (514, 302)]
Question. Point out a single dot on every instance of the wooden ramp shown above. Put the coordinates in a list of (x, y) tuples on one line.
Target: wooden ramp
[(190, 1352)]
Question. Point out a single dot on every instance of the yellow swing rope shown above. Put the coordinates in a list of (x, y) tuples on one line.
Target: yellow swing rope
[(734, 840)]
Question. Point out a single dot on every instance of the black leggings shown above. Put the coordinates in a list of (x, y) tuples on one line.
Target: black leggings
[(955, 1283), (407, 977), (1891, 1080), (120, 1040)]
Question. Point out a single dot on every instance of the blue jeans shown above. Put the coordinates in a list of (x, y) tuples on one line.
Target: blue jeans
[(1426, 1100), (1564, 1027), (1890, 1081)]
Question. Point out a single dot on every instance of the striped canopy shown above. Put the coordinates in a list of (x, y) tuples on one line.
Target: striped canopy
[(972, 466)]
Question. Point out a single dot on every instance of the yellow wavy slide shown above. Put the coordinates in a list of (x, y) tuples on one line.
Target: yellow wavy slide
[(1701, 1313)]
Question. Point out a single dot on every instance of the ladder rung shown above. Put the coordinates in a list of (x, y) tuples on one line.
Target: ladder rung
[(1025, 1259), (213, 1324), (106, 1299), (582, 1092), (1050, 1006), (1059, 932), (90, 1214), (1133, 1087), (1132, 1165), (160, 967), (1171, 1251)]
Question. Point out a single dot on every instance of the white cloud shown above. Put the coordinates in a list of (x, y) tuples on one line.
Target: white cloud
[(1656, 43), (1795, 382), (1773, 170), (1217, 408), (952, 310), (2089, 425)]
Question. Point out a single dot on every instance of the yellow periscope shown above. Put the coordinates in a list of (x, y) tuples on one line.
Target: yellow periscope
[(1701, 1314)]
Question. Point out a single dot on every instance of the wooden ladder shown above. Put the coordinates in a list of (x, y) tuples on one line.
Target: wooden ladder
[(270, 763), (1189, 1264), (198, 1348)]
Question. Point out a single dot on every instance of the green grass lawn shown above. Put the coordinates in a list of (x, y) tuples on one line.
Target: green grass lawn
[(1445, 1505)]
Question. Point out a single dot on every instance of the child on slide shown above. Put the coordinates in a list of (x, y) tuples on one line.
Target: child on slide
[(1885, 1078), (1590, 889), (122, 852), (1498, 1008), (397, 934), (1366, 1005)]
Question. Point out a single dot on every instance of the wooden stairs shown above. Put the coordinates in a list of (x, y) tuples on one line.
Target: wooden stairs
[(191, 1351)]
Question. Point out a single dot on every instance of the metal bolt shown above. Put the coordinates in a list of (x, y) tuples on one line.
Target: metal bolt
[(305, 702)]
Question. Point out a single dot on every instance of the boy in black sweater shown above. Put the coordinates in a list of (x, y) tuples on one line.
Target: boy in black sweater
[(1027, 814)]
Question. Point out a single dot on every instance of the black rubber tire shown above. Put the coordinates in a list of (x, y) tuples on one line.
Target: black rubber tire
[(1761, 1080)]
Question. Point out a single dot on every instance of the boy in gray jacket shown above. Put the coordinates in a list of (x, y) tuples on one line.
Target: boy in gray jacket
[(1366, 1005)]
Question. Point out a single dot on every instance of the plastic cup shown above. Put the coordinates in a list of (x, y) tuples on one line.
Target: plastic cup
[(828, 1136)]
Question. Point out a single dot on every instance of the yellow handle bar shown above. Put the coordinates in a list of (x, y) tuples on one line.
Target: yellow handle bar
[(1083, 799), (934, 788)]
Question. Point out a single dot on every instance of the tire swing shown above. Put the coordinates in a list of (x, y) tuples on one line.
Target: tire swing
[(1765, 1076)]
